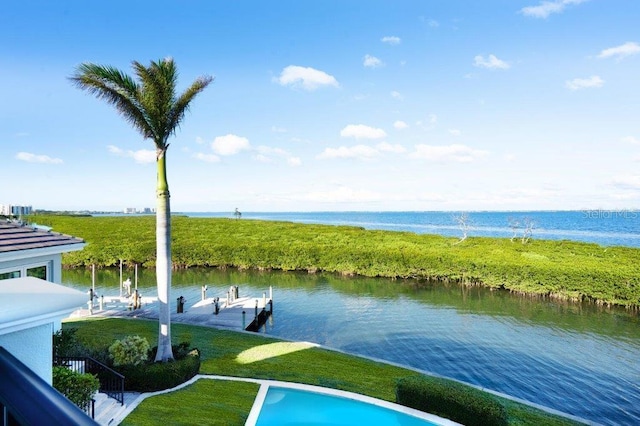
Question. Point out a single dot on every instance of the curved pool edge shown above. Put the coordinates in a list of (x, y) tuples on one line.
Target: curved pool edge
[(540, 407), (266, 384)]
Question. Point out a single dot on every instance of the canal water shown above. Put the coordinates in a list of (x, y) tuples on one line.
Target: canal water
[(577, 358)]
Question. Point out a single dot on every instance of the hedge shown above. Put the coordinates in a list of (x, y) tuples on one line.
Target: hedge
[(456, 401), (157, 376)]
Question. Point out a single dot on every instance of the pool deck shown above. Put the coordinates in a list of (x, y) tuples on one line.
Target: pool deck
[(118, 413)]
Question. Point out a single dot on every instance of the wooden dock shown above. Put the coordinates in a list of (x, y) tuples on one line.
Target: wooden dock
[(238, 313)]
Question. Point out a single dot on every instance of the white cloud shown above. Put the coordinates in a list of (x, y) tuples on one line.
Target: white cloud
[(546, 8), (294, 161), (266, 154), (360, 152), (393, 40), (208, 158), (455, 132), (371, 62), (229, 144), (396, 95), (343, 194), (387, 147), (584, 83), (492, 63), (625, 196), (277, 129), (433, 23), (305, 77), (141, 156), (360, 131), (626, 181), (432, 120), (399, 124), (34, 158), (620, 52), (631, 140), (199, 140), (456, 153)]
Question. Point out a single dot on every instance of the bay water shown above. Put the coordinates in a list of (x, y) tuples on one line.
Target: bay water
[(577, 358), (604, 227)]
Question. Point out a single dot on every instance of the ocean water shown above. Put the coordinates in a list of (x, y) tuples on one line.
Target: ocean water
[(604, 227)]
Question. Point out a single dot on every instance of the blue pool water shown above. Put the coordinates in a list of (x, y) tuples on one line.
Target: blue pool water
[(284, 406)]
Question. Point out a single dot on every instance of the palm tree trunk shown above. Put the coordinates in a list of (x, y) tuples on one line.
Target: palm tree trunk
[(163, 260)]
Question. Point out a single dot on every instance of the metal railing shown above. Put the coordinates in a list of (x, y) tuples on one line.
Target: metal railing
[(111, 382), (90, 408), (26, 399)]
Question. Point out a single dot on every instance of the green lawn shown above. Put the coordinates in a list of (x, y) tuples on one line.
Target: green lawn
[(206, 402), (237, 354)]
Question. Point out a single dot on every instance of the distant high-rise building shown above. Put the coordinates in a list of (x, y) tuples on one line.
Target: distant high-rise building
[(9, 210), (130, 210), (21, 210)]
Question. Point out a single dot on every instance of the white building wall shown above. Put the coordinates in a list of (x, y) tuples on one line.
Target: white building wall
[(33, 347), (53, 263)]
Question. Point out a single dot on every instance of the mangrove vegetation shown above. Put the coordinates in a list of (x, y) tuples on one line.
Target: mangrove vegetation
[(558, 269)]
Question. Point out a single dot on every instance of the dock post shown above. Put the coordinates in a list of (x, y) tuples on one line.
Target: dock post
[(264, 299), (204, 292), (256, 309), (244, 324), (102, 302), (136, 284), (271, 292), (93, 277), (271, 306), (120, 277)]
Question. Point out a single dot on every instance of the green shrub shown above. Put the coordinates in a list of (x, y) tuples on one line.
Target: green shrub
[(77, 387), (156, 376), (66, 344), (132, 350), (446, 398)]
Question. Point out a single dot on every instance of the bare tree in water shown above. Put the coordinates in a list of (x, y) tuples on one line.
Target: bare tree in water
[(462, 220), (514, 224), (528, 230)]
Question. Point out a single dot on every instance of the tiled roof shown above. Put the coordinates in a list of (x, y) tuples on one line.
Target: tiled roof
[(16, 237)]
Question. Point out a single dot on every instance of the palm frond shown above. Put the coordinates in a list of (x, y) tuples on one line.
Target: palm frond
[(150, 103), (181, 105), (117, 88)]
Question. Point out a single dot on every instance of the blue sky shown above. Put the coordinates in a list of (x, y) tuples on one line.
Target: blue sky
[(331, 105)]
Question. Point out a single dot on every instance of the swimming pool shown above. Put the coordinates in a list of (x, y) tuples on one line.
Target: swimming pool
[(277, 405)]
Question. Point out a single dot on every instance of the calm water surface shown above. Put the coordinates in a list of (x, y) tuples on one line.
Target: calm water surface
[(604, 227), (579, 359)]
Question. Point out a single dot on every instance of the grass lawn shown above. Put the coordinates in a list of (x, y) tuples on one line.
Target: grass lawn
[(206, 402), (237, 354)]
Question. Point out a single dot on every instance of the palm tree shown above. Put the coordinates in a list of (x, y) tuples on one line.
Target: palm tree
[(150, 104)]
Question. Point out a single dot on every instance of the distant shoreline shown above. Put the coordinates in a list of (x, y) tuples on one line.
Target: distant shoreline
[(562, 270)]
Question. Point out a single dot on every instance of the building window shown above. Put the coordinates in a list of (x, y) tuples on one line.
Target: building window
[(38, 272), (8, 275)]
